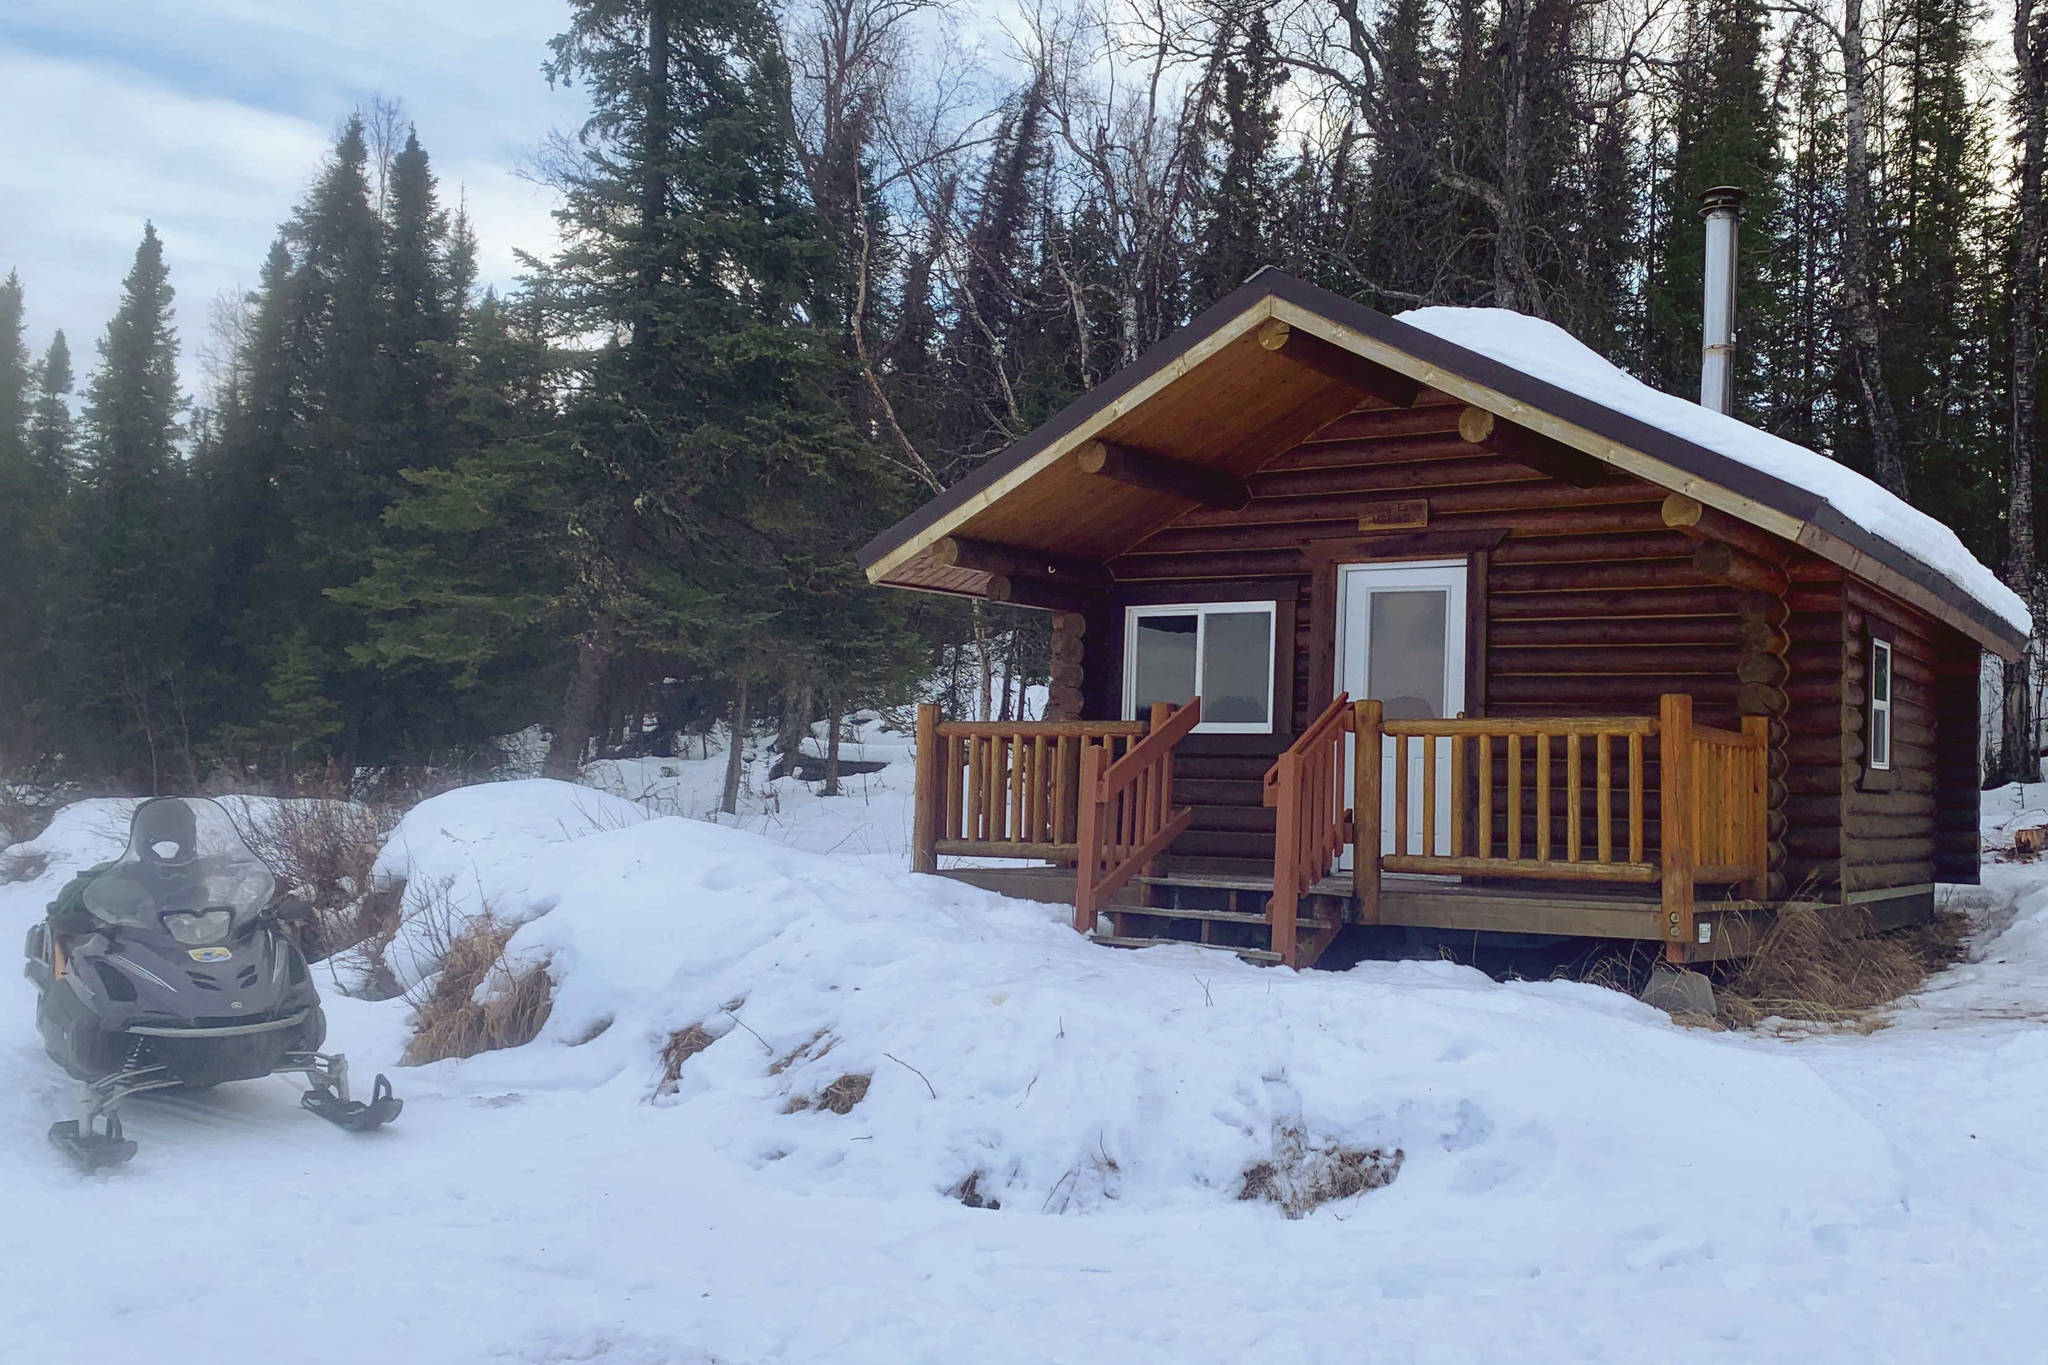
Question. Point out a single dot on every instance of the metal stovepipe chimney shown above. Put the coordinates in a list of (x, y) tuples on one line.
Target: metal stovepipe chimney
[(1722, 208)]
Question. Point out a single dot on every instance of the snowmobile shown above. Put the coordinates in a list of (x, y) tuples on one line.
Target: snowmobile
[(171, 968)]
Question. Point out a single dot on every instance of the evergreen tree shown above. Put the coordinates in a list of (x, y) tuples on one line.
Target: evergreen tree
[(127, 549), (1237, 233), (23, 549), (50, 431), (1725, 132)]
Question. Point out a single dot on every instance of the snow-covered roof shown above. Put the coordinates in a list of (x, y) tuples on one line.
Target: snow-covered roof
[(1549, 353)]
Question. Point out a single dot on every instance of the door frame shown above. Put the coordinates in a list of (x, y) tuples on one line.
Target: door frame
[(1450, 576), (1475, 546)]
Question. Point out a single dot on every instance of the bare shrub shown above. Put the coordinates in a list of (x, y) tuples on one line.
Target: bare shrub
[(479, 1001), (1302, 1177), (323, 850), (838, 1097), (682, 1045), (1829, 967)]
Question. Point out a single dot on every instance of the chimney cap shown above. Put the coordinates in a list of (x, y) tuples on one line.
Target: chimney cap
[(1722, 198)]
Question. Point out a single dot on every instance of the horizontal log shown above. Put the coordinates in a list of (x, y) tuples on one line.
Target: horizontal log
[(1370, 423), (1492, 498), (1335, 362), (1585, 548), (1199, 484), (1755, 666), (1466, 468), (1641, 573), (1209, 564), (1722, 562), (1660, 660), (1634, 630), (1416, 452), (1035, 593), (1822, 691), (1822, 749), (1613, 692), (1807, 599), (1814, 809), (1019, 562), (1692, 517), (1547, 456), (1610, 606), (1860, 850)]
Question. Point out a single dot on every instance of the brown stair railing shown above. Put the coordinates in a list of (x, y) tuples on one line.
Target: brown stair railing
[(1127, 813), (1312, 823), (1005, 789)]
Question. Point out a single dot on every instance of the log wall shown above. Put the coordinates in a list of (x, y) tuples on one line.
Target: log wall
[(1589, 601)]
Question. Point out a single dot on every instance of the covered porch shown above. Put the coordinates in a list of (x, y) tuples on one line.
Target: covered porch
[(1648, 828)]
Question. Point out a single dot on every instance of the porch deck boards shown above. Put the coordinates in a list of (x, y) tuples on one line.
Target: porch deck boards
[(1421, 903)]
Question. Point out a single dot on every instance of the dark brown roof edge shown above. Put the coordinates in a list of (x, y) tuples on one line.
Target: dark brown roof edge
[(1745, 480)]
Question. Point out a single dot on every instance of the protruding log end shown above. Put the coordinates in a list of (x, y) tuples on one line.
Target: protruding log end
[(1273, 334), (1475, 425), (1681, 512)]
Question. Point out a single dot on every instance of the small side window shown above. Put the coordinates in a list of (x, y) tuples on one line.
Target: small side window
[(1221, 652), (1878, 740)]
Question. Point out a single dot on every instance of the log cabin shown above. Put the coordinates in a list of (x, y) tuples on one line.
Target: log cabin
[(1441, 621)]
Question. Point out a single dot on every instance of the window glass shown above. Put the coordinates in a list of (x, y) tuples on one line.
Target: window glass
[(1164, 647), (1237, 665), (1405, 654), (1880, 704)]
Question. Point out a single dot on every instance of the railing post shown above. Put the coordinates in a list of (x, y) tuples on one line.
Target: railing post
[(1280, 914), (1088, 845), (1675, 819), (1757, 729), (929, 792), (1366, 718)]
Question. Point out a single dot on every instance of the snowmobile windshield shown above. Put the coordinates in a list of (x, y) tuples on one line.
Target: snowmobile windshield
[(187, 868)]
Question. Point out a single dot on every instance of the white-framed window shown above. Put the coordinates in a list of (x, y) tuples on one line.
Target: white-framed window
[(1221, 652), (1879, 750)]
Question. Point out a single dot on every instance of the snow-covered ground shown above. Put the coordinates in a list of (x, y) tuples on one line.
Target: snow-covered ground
[(1581, 1179)]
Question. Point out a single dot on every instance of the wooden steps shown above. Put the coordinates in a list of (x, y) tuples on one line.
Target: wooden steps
[(1214, 916), (1260, 956)]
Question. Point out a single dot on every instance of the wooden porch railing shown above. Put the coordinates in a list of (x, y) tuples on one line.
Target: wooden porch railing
[(1548, 799), (1305, 789), (1004, 789), (1127, 812)]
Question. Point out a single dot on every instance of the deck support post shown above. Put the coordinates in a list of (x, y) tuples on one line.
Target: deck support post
[(1088, 859), (1281, 911), (1367, 717), (1675, 856), (928, 793)]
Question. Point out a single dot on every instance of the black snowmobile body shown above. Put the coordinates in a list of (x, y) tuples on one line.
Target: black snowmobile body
[(170, 968)]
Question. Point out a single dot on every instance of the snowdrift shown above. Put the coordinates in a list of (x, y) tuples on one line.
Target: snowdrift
[(1066, 1077)]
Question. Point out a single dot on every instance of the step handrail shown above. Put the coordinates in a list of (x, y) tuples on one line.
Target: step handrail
[(1305, 789), (1127, 813)]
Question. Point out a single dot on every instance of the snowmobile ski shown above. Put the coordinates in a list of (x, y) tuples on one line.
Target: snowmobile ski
[(355, 1115), (92, 1150)]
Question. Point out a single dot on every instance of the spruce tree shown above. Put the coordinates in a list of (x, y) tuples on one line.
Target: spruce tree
[(51, 437), (125, 599), (23, 547)]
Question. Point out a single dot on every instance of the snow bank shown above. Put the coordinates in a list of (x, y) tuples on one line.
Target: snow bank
[(1553, 355), (1071, 1077)]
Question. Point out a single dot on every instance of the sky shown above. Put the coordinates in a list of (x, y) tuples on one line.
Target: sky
[(210, 117)]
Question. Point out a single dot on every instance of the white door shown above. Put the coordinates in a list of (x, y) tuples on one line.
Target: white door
[(1401, 641)]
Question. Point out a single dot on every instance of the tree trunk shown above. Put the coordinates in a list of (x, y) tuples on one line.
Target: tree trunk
[(832, 717), (983, 665), (654, 178), (579, 705), (735, 754), (1859, 271), (2018, 759)]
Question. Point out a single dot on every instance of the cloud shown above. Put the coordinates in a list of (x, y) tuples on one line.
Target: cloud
[(211, 118)]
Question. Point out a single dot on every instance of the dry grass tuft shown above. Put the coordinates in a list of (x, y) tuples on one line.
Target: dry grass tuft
[(817, 1045), (682, 1045), (838, 1097), (1831, 968), (1301, 1178), (458, 1017)]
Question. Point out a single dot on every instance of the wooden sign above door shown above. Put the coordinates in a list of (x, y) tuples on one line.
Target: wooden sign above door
[(1406, 514)]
